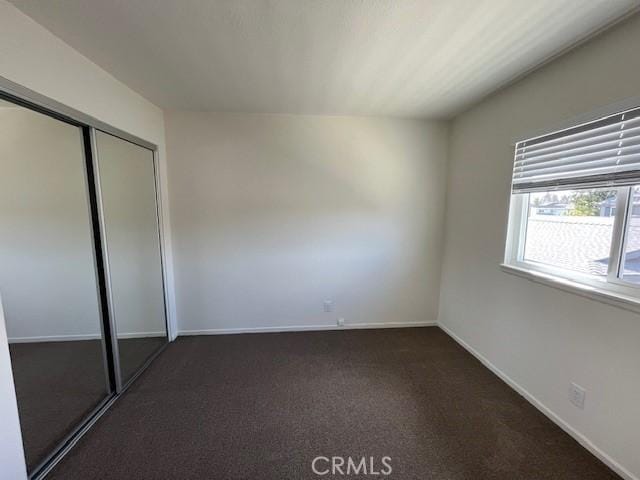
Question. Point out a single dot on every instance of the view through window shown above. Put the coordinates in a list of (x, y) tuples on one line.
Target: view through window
[(631, 270), (572, 229)]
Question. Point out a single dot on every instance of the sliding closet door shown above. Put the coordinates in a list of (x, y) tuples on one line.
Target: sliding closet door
[(48, 279), (128, 194)]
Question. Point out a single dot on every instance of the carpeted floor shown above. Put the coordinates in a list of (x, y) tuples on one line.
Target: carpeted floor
[(263, 406), (135, 351), (59, 383)]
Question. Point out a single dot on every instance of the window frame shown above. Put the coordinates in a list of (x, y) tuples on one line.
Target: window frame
[(612, 284)]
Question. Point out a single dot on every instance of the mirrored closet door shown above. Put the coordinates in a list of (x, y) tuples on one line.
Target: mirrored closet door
[(127, 182), (81, 274), (49, 279)]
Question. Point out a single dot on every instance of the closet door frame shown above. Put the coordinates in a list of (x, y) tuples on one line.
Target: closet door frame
[(122, 384), (24, 97)]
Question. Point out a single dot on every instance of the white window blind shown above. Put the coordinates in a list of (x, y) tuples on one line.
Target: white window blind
[(605, 152)]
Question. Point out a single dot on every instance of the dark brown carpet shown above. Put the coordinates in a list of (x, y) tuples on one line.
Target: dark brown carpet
[(262, 406), (135, 351), (59, 383)]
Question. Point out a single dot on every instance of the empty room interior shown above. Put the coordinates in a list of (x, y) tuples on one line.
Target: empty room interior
[(318, 239)]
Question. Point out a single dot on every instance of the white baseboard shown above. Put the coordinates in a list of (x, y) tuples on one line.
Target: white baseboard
[(55, 338), (579, 437), (305, 328), (141, 335), (75, 338)]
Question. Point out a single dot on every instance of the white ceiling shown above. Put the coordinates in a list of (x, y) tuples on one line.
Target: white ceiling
[(418, 58)]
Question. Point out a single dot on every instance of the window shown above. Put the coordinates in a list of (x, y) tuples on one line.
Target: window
[(575, 205)]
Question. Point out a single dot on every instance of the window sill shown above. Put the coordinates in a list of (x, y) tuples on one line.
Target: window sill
[(601, 295)]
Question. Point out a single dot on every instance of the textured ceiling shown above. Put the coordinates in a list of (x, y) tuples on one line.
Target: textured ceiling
[(417, 58)]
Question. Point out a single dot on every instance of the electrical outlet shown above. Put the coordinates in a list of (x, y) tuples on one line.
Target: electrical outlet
[(328, 306), (576, 395), (341, 322)]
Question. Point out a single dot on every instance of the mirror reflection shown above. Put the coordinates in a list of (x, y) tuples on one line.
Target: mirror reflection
[(128, 190), (48, 278)]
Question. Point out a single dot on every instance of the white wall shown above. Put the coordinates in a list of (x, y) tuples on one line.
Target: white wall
[(12, 464), (33, 57), (273, 214), (47, 278), (541, 337)]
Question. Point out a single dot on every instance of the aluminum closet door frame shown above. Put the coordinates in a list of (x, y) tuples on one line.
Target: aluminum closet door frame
[(121, 383)]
